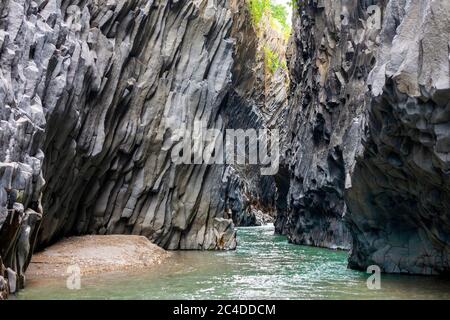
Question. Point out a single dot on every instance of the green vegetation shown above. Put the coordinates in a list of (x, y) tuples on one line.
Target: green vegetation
[(280, 13), (277, 15), (257, 9), (272, 60), (275, 12)]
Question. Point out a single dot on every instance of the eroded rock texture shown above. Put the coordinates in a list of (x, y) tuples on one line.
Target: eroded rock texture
[(333, 45), (257, 100), (399, 197), (94, 96), (370, 132)]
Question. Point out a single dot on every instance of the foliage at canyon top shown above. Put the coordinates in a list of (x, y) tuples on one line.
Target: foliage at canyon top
[(277, 13), (273, 16)]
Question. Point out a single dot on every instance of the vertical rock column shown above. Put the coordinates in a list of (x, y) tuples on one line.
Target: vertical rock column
[(333, 52)]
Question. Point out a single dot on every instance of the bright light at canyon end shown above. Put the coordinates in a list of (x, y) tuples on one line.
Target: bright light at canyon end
[(288, 5)]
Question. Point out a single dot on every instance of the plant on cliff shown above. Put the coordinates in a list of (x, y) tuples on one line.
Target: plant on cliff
[(272, 60), (257, 9), (277, 14), (280, 14)]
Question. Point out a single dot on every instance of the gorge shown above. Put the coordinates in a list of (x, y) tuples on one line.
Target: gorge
[(96, 94)]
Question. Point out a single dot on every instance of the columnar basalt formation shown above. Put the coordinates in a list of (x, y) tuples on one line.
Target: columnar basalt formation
[(333, 47), (399, 197), (94, 98), (97, 96)]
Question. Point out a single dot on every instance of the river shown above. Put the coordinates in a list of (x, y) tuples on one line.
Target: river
[(265, 266)]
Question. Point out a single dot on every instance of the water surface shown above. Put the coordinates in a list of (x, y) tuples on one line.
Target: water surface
[(264, 266)]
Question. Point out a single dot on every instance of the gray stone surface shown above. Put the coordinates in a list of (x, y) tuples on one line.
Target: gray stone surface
[(92, 95), (399, 196), (257, 100), (99, 88), (96, 95), (332, 50), (369, 132)]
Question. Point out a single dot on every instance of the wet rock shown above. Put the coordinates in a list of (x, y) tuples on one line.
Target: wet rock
[(4, 289), (18, 234), (12, 280)]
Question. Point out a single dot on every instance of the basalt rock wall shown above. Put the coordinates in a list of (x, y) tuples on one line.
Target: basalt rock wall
[(332, 52), (95, 96), (399, 196), (257, 101), (369, 132)]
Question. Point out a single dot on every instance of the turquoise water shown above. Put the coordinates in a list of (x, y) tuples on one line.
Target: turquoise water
[(264, 266)]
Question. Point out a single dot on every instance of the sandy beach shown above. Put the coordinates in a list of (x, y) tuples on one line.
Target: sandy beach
[(96, 254)]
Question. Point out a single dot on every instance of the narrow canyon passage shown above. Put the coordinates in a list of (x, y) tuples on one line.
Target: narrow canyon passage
[(264, 148), (264, 266)]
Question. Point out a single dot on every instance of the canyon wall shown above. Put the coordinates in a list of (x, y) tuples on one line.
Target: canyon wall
[(332, 53), (257, 100), (97, 100), (96, 96), (399, 196), (369, 132)]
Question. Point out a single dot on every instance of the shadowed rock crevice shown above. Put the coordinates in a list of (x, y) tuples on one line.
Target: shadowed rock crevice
[(282, 179), (257, 101)]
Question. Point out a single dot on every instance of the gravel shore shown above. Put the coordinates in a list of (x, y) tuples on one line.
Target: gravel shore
[(96, 254)]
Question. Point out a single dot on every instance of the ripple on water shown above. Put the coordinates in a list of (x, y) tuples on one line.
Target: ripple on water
[(265, 266)]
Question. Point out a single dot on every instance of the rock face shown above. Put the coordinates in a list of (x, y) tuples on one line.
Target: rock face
[(399, 198), (257, 100), (18, 235), (95, 96), (333, 47), (97, 99), (369, 133)]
